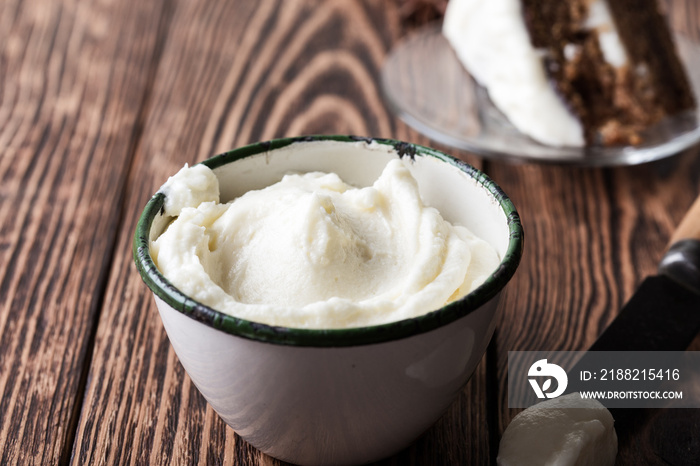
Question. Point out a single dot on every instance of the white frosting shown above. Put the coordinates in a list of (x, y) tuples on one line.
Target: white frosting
[(571, 51), (564, 431), (600, 19), (492, 42), (189, 188), (313, 252)]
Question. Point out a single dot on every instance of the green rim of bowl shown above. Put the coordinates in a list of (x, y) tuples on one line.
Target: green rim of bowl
[(162, 288)]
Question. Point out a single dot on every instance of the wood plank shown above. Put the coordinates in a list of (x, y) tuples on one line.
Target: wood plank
[(70, 95), (233, 73)]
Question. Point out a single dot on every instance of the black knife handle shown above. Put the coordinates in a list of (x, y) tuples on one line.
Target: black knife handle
[(682, 263)]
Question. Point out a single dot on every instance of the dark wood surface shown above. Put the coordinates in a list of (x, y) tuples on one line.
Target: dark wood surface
[(102, 100)]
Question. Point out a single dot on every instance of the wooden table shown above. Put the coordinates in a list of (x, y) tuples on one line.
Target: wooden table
[(102, 100)]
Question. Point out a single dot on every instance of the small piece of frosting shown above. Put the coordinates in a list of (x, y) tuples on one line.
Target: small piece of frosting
[(564, 431)]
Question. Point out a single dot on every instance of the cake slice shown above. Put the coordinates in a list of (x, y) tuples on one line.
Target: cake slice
[(572, 72)]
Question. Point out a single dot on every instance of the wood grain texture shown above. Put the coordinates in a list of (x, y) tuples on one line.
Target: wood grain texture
[(232, 73), (69, 98)]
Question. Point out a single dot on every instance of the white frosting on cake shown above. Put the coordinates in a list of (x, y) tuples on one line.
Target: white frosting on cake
[(599, 18), (492, 42)]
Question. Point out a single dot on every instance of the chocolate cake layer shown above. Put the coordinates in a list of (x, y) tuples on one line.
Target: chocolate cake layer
[(644, 31), (614, 103)]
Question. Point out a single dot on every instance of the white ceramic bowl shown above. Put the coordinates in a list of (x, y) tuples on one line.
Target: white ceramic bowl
[(340, 396)]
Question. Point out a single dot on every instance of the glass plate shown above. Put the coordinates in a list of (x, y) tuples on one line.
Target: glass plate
[(427, 87)]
